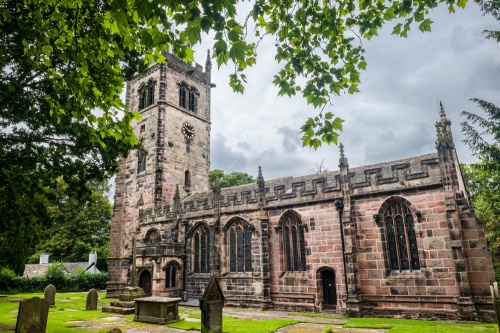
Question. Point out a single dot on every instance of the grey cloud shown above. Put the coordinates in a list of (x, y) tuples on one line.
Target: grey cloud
[(291, 139), (244, 145), (275, 165), (224, 157)]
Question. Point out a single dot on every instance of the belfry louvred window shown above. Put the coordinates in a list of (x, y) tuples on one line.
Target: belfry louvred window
[(240, 248), (188, 97), (401, 238), (294, 244), (200, 251), (146, 94)]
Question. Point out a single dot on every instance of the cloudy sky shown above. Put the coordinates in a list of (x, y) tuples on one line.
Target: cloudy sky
[(392, 117)]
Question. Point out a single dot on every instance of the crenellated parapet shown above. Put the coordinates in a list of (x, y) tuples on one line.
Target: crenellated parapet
[(419, 170), (397, 175), (195, 70)]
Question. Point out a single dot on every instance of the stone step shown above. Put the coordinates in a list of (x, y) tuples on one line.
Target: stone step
[(123, 304), (118, 310)]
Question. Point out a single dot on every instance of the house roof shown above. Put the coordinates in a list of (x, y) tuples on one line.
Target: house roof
[(41, 269)]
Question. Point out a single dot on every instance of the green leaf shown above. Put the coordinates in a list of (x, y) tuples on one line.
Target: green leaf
[(237, 51), (47, 49)]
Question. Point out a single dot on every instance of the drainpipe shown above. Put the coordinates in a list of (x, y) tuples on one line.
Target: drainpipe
[(184, 261), (339, 205)]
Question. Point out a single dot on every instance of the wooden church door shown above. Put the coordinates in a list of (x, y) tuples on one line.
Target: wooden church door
[(145, 282), (329, 289)]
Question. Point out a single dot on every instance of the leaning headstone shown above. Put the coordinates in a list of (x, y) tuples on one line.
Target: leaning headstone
[(91, 300), (32, 316), (50, 295), (211, 304)]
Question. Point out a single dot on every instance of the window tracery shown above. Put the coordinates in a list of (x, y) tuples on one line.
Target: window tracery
[(188, 97), (171, 271), (199, 241), (401, 237), (294, 244), (146, 94), (240, 248)]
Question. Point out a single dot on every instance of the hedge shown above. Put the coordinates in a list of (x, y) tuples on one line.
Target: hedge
[(64, 283)]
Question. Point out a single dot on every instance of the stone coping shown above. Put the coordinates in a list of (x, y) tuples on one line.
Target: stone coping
[(159, 299)]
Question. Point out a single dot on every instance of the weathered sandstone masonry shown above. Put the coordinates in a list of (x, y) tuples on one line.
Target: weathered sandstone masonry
[(391, 239)]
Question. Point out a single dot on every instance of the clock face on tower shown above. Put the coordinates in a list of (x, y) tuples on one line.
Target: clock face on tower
[(188, 130)]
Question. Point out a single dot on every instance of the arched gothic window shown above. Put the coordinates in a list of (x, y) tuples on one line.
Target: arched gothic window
[(151, 93), (193, 99), (172, 270), (183, 91), (199, 250), (146, 94), (142, 97), (294, 244), (188, 97), (240, 248), (152, 236), (401, 237)]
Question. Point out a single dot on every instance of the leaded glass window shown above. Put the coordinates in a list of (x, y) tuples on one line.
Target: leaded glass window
[(200, 251), (401, 238), (240, 248), (171, 270), (294, 243)]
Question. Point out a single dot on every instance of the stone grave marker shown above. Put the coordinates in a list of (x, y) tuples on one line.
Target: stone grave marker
[(211, 304), (115, 330), (49, 295), (32, 316), (91, 300)]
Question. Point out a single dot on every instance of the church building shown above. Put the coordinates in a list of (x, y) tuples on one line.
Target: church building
[(391, 239)]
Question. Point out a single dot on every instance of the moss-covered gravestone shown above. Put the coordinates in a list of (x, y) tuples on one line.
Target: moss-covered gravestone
[(32, 316), (91, 300), (49, 295), (211, 304)]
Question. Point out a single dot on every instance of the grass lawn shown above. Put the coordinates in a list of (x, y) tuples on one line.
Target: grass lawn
[(69, 315), (419, 326)]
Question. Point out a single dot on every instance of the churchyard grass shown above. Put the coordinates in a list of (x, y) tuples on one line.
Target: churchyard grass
[(419, 326), (232, 324), (69, 315)]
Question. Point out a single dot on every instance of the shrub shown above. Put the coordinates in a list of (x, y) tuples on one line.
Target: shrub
[(55, 275), (62, 282), (6, 276)]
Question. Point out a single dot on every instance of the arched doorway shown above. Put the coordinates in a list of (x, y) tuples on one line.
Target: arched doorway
[(329, 289), (145, 282)]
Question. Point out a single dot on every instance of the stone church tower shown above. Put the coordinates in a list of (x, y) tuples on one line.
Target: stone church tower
[(174, 161), (397, 238)]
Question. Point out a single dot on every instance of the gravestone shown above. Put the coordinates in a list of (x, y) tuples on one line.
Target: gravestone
[(115, 330), (50, 295), (211, 304), (91, 300), (32, 316)]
